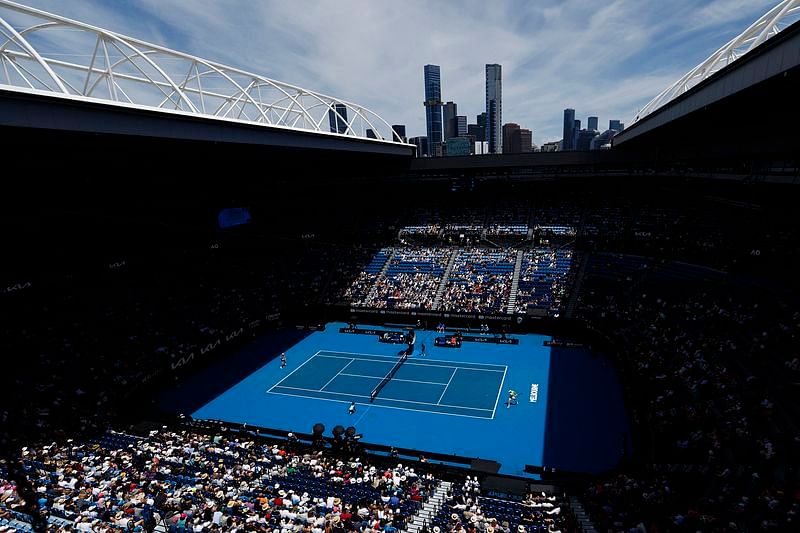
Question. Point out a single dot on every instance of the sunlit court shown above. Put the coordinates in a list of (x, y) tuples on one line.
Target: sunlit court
[(445, 400)]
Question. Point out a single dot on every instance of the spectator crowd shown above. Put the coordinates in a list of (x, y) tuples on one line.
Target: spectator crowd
[(199, 482), (704, 361), (479, 279)]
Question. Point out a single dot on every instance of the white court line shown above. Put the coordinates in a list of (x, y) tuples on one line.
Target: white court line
[(500, 390), (377, 405), (426, 359), (362, 416), (295, 370), (448, 384), (356, 353), (339, 372), (453, 364), (385, 398), (393, 379)]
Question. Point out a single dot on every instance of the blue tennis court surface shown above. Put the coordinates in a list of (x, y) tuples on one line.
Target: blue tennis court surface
[(449, 401), (426, 385)]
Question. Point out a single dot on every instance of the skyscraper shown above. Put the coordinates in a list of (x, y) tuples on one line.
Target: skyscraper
[(422, 145), (591, 124), (399, 135), (449, 113), (433, 108), (338, 119), (508, 131), (521, 141), (614, 125), (481, 122), (568, 141), (494, 108), (583, 139), (459, 146), (461, 125)]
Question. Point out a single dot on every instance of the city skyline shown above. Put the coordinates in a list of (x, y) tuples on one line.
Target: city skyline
[(605, 62)]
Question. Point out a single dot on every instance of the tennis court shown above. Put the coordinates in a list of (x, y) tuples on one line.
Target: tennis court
[(419, 384), (449, 401)]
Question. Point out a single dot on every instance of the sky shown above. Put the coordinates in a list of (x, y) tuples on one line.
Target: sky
[(606, 58)]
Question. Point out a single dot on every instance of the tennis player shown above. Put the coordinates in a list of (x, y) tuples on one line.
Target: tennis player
[(512, 398)]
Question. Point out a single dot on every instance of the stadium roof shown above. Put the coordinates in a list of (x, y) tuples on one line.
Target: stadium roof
[(769, 25), (48, 54)]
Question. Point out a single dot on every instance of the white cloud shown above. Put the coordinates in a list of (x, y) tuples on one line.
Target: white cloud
[(602, 58)]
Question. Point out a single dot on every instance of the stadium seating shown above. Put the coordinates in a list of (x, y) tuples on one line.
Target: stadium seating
[(181, 481), (360, 288), (543, 279), (480, 281), (700, 379), (509, 221), (465, 505), (187, 480), (410, 281)]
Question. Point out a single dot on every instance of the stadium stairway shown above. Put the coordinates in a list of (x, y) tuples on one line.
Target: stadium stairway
[(576, 286), (491, 242), (381, 275), (583, 519), (445, 278), (512, 294), (430, 508)]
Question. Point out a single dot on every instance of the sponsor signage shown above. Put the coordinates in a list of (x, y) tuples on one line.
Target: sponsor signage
[(490, 340), (534, 392), (230, 336)]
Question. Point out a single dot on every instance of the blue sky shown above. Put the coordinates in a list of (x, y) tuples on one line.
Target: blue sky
[(605, 58)]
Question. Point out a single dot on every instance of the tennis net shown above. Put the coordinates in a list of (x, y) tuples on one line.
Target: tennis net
[(387, 378)]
